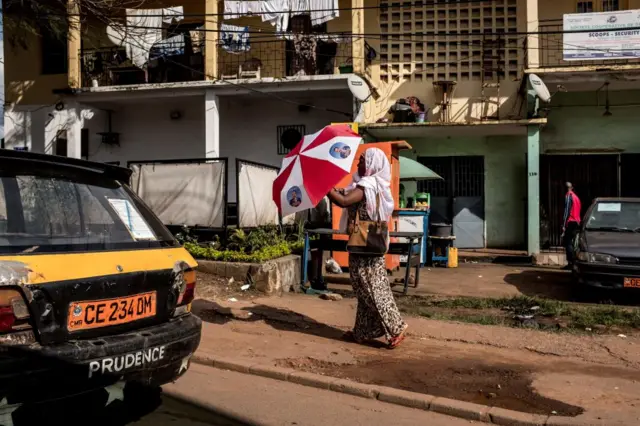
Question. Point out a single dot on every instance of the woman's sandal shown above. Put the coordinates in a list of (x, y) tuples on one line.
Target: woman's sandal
[(395, 341), (349, 336)]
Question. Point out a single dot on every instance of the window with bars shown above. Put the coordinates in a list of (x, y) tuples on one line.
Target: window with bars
[(601, 6), (584, 7), (610, 5), (289, 136)]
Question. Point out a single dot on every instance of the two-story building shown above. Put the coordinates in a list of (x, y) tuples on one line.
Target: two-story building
[(208, 78), (504, 163), (181, 79)]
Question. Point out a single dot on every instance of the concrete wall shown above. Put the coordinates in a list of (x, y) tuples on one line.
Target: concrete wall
[(505, 181), (577, 123), (146, 129), (248, 127)]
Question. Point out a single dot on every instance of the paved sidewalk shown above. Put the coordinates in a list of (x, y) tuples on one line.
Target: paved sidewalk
[(265, 402), (482, 280), (517, 369)]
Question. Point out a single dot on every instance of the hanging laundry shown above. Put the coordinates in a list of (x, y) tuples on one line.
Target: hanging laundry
[(197, 39), (235, 9), (171, 46), (323, 11), (171, 14), (300, 7), (304, 59), (276, 12), (234, 39), (142, 30)]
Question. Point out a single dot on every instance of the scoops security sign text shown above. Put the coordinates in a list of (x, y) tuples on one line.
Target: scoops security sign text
[(620, 41)]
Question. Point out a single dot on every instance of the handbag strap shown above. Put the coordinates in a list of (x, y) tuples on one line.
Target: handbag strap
[(356, 219)]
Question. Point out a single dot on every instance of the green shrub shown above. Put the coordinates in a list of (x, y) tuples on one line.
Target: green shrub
[(267, 253)]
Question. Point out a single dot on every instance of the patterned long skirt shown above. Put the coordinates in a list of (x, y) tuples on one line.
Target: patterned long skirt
[(377, 313)]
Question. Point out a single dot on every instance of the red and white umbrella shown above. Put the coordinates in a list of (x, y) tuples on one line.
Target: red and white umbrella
[(313, 167)]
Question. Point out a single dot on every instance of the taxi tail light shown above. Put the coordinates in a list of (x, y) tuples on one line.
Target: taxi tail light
[(189, 291), (13, 310)]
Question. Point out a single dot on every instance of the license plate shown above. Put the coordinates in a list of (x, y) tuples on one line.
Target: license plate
[(632, 282), (104, 313)]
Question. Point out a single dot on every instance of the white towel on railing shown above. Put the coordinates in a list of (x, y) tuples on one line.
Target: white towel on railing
[(276, 12)]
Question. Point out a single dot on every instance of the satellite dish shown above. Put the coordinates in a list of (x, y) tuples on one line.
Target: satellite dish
[(359, 88), (540, 88)]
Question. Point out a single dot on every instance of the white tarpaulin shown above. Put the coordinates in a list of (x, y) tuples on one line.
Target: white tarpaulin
[(255, 202), (183, 194), (620, 41)]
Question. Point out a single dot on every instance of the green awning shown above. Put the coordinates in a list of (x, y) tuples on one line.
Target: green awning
[(412, 170)]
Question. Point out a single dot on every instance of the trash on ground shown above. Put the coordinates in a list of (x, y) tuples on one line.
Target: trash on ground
[(232, 299), (622, 335), (245, 287), (332, 266), (331, 296)]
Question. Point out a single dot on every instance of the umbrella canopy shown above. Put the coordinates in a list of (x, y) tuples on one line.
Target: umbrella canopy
[(313, 167), (412, 170)]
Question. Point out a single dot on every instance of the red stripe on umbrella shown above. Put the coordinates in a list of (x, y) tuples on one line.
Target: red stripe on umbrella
[(319, 176)]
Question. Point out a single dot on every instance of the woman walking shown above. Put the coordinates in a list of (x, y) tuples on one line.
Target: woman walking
[(370, 197)]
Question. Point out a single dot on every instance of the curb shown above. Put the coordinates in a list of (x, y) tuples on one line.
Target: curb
[(450, 407)]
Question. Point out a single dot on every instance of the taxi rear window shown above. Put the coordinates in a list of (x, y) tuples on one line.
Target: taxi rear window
[(62, 212)]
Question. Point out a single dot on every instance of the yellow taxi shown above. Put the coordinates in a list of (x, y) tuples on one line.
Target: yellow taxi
[(95, 292)]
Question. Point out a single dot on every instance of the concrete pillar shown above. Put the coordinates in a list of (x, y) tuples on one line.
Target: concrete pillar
[(211, 35), (74, 132), (37, 131), (73, 43), (357, 29), (533, 40), (211, 125), (533, 189)]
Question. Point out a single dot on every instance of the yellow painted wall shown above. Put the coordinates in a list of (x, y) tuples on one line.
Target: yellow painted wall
[(467, 104), (23, 81)]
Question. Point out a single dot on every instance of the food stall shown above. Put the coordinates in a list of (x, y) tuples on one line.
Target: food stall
[(414, 215)]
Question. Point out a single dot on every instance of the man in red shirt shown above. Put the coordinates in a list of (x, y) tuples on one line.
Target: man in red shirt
[(570, 222)]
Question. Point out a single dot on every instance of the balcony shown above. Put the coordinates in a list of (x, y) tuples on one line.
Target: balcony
[(274, 58), (174, 59), (551, 51)]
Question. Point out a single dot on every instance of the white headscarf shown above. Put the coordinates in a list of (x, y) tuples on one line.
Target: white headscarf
[(376, 181)]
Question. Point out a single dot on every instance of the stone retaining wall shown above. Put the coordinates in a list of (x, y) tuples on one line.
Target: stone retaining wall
[(276, 276)]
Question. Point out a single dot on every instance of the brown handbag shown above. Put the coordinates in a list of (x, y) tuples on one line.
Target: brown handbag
[(368, 237)]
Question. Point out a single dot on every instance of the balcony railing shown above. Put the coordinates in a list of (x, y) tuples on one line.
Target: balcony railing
[(552, 46), (111, 67), (279, 58)]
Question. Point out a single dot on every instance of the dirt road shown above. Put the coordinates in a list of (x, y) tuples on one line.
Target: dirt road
[(539, 372)]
